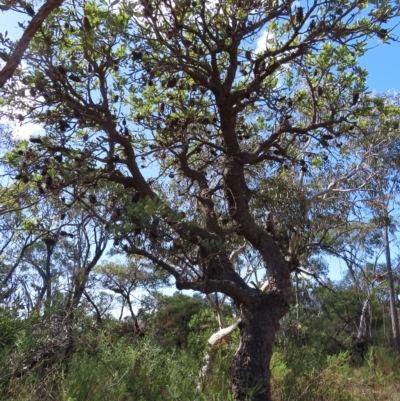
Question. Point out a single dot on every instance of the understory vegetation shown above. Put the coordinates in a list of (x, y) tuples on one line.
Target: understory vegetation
[(111, 362)]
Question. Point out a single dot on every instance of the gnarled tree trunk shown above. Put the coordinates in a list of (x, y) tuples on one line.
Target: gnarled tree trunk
[(250, 370)]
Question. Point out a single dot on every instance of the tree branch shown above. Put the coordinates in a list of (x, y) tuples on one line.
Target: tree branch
[(30, 31)]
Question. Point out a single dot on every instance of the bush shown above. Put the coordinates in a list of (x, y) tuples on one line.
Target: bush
[(305, 374)]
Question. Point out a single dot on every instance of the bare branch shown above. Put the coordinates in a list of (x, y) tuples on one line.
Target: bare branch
[(219, 336), (236, 253)]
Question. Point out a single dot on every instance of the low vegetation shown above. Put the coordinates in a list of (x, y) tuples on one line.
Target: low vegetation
[(111, 362)]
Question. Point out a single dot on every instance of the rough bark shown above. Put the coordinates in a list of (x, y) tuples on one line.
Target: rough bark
[(250, 369)]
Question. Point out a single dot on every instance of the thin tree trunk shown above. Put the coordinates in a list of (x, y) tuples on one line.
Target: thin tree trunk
[(384, 322), (204, 372), (122, 310), (99, 318), (50, 249), (48, 289), (220, 317), (362, 328), (392, 293), (298, 308), (370, 322), (135, 322), (39, 299), (80, 280)]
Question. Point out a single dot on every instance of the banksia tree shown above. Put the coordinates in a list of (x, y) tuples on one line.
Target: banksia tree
[(216, 124)]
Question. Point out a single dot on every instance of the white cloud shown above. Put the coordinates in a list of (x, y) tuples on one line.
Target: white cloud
[(262, 41), (19, 130), (25, 131)]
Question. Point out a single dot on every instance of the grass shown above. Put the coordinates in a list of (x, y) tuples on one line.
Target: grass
[(108, 368)]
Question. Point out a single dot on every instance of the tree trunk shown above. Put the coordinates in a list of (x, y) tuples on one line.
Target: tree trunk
[(298, 309), (362, 328), (136, 327), (48, 283), (392, 293), (250, 372)]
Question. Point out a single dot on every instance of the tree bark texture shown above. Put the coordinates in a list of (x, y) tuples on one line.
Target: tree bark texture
[(250, 369)]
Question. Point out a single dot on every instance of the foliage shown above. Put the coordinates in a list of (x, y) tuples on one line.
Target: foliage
[(170, 323), (169, 128), (109, 367), (116, 103), (306, 374)]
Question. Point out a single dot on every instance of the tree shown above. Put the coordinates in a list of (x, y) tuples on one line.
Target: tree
[(383, 194), (170, 322), (245, 145), (125, 279), (57, 245)]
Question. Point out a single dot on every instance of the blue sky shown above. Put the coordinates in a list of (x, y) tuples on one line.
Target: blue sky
[(382, 62)]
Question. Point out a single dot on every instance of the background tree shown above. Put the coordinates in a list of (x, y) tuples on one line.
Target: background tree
[(125, 280), (382, 199)]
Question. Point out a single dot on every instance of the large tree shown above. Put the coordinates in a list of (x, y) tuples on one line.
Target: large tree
[(216, 124)]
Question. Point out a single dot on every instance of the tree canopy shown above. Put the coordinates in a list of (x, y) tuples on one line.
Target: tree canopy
[(185, 130)]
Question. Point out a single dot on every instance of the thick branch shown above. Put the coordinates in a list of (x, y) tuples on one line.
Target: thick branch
[(26, 38)]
